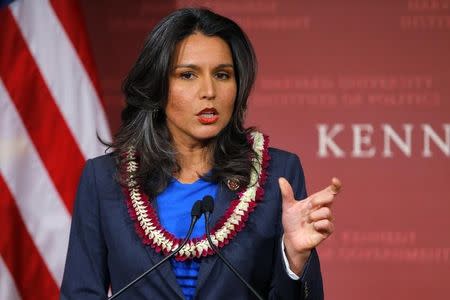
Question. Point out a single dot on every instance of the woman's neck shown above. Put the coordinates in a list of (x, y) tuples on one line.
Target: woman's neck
[(194, 160)]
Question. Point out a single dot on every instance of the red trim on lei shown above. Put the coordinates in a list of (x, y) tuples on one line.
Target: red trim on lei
[(176, 241)]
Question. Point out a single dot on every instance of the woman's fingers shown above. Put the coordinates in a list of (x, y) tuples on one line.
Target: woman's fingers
[(324, 226), (325, 197), (320, 214), (286, 190), (336, 185), (320, 203)]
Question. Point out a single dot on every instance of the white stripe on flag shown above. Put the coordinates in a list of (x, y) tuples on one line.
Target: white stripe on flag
[(8, 289), (41, 208), (64, 74)]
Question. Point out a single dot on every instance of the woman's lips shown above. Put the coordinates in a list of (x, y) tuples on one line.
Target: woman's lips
[(208, 116)]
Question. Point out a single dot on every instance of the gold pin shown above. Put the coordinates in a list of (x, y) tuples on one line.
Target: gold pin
[(233, 184)]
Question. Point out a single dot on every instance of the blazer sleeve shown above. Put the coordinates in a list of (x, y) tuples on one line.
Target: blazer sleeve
[(86, 273), (309, 286)]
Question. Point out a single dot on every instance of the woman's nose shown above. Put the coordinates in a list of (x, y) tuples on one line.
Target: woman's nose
[(208, 90)]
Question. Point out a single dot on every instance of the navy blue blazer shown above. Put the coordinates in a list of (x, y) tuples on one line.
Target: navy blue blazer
[(104, 249)]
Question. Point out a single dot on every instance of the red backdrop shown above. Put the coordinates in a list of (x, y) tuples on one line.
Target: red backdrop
[(360, 90)]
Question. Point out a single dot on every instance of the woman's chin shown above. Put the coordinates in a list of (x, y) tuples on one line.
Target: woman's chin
[(207, 133)]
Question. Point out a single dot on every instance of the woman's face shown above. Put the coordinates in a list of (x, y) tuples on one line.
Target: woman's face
[(202, 89)]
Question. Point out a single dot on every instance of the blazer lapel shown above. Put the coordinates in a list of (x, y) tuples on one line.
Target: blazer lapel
[(222, 202), (164, 270)]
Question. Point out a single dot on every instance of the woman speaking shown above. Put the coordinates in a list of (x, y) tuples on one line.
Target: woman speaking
[(183, 138)]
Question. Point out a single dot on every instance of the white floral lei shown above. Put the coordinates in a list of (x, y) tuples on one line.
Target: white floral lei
[(149, 229)]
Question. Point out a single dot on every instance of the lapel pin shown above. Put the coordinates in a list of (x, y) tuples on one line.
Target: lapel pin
[(233, 184)]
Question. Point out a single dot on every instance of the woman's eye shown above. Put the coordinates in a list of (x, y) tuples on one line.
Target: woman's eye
[(187, 75), (222, 75)]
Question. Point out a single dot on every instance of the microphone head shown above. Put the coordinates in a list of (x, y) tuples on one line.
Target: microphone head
[(197, 209), (208, 204)]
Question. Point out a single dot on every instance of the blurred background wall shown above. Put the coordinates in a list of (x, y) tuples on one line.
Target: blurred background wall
[(359, 90)]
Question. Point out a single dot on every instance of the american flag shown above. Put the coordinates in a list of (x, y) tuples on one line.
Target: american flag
[(50, 113)]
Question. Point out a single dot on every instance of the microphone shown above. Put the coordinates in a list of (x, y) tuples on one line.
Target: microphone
[(196, 213), (208, 208)]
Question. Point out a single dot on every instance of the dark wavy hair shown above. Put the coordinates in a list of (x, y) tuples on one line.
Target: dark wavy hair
[(146, 92)]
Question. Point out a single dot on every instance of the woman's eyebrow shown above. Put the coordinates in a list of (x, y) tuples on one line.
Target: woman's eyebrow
[(195, 67), (191, 66), (225, 66)]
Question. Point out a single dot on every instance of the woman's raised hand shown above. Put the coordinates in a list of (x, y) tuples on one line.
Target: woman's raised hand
[(306, 223)]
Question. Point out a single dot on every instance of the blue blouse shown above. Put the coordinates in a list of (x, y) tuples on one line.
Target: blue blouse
[(174, 209)]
